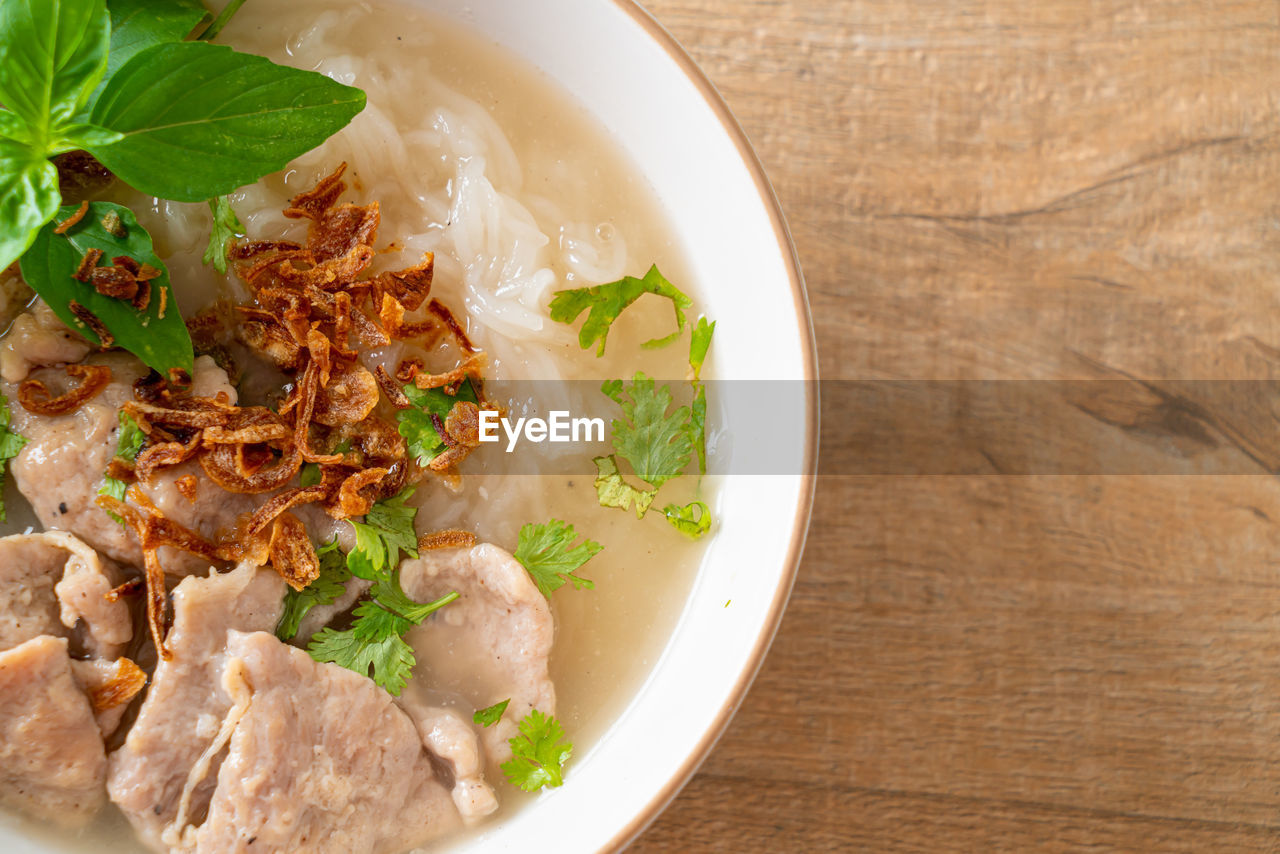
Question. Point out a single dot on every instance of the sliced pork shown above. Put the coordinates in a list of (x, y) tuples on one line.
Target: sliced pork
[(53, 584), (110, 685), (62, 466), (37, 339), (186, 703), (456, 746), (491, 644), (320, 760), (52, 764)]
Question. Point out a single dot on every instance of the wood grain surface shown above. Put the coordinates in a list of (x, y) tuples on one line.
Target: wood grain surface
[(1049, 661)]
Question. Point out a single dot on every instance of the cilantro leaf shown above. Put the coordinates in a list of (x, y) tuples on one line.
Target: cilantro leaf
[(10, 444), (374, 646), (656, 443), (693, 519), (392, 598), (324, 590), (131, 439), (386, 531), (699, 342), (416, 425), (608, 301), (128, 445), (613, 491), (491, 715), (538, 753), (546, 552), (226, 228)]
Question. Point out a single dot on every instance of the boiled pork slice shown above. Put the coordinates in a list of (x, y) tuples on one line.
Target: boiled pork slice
[(52, 764), (456, 746), (492, 643), (186, 703), (53, 584), (320, 760), (38, 338), (61, 468)]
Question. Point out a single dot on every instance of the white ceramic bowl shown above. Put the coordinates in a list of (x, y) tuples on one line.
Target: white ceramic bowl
[(628, 72), (631, 75)]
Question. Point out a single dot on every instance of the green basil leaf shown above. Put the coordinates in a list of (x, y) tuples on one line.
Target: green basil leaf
[(14, 128), (52, 54), (161, 343), (28, 198), (73, 136), (139, 24), (200, 120)]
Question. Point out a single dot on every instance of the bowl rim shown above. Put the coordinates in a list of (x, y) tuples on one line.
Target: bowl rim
[(804, 507)]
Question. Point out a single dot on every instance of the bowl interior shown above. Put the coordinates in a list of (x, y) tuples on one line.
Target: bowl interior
[(629, 74), (632, 78)]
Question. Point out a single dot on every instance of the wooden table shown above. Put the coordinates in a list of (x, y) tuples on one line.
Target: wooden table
[(1021, 189)]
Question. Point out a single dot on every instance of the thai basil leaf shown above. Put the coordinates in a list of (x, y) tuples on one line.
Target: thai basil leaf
[(200, 120), (161, 342), (139, 24), (52, 54), (15, 129), (28, 198), (73, 136)]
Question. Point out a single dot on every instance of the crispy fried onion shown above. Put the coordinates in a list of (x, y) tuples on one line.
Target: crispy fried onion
[(311, 316), (236, 469), (247, 426), (188, 486), (291, 553), (90, 320), (153, 530), (350, 396), (121, 687), (391, 314), (156, 622), (163, 454), (351, 501), (391, 388), (409, 287), (35, 396), (449, 380), (312, 203), (284, 501), (128, 588), (196, 413), (450, 539)]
